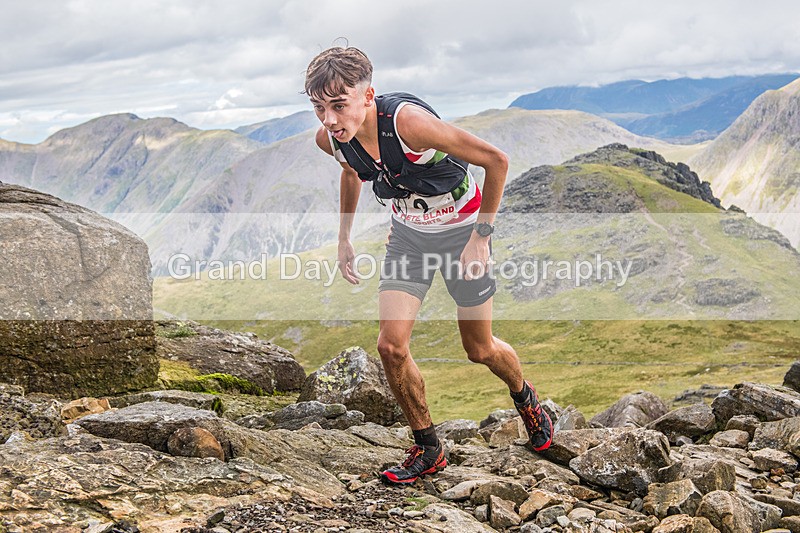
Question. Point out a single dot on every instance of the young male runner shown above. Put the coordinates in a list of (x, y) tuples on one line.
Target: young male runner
[(418, 163)]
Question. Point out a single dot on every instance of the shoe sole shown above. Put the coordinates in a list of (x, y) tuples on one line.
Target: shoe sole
[(432, 470)]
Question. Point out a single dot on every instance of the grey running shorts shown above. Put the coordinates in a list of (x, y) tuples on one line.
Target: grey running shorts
[(413, 257)]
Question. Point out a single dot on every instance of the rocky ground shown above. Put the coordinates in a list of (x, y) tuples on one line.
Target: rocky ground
[(179, 461)]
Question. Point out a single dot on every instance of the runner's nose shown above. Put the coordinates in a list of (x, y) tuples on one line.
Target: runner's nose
[(330, 119)]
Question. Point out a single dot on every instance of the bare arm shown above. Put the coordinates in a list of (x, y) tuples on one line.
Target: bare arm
[(349, 193), (421, 130)]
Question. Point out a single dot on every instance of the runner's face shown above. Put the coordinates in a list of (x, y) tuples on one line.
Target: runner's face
[(344, 115)]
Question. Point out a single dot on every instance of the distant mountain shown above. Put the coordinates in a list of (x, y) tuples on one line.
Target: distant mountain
[(276, 129), (124, 164), (221, 195), (684, 110), (549, 137), (755, 164)]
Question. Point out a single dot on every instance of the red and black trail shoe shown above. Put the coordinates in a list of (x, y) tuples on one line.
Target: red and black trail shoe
[(421, 461), (537, 421)]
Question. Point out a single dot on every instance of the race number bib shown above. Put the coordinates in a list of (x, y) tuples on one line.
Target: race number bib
[(425, 210)]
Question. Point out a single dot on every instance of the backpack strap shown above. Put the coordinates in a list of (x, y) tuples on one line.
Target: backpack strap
[(392, 154)]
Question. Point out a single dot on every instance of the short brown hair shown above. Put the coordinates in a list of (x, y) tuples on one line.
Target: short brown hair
[(336, 69)]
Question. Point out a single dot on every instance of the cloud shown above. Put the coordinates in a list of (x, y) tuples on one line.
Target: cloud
[(67, 61)]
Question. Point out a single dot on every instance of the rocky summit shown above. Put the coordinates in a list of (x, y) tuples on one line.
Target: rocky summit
[(175, 461)]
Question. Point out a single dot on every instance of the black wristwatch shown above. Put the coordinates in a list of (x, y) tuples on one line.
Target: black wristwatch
[(484, 229)]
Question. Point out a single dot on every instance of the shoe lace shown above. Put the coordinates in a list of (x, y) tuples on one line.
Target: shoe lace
[(414, 452), (531, 417)]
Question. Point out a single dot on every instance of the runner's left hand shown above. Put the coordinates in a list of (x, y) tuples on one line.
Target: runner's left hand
[(474, 257)]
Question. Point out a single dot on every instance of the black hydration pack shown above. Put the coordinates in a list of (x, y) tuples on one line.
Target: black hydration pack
[(396, 176)]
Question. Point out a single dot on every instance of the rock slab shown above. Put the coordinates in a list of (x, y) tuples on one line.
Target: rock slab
[(767, 402), (244, 355)]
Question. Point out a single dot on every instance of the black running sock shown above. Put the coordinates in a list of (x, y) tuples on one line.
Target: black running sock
[(426, 437), (522, 396)]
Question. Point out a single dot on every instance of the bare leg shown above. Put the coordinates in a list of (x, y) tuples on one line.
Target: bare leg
[(475, 325), (398, 311)]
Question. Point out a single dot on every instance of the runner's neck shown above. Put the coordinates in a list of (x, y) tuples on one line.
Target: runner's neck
[(367, 134)]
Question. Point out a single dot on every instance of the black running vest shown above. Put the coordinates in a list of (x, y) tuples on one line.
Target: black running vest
[(396, 176)]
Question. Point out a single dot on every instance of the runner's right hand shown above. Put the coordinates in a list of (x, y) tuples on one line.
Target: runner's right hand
[(345, 258)]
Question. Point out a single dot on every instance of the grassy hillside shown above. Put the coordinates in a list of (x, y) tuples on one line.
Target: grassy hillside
[(586, 363)]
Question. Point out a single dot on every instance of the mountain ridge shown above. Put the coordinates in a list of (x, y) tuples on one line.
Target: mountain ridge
[(755, 164), (680, 110), (275, 129)]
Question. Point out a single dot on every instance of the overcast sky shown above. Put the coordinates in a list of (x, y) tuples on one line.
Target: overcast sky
[(221, 64)]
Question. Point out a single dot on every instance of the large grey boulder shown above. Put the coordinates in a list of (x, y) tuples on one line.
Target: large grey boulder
[(632, 410), (767, 402), (75, 299), (354, 379), (690, 421), (244, 355), (629, 462)]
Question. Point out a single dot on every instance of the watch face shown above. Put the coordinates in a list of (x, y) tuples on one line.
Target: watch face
[(484, 229)]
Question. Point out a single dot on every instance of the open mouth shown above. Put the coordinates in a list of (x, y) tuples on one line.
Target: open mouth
[(338, 134)]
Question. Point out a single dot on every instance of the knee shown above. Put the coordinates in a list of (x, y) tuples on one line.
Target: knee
[(392, 353), (479, 352)]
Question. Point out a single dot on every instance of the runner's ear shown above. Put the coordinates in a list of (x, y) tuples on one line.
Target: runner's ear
[(369, 96)]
